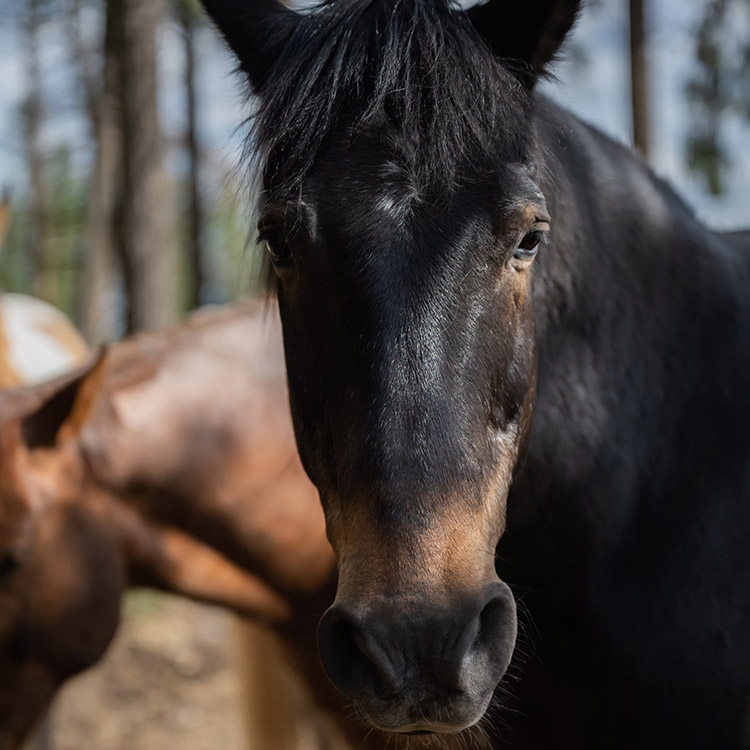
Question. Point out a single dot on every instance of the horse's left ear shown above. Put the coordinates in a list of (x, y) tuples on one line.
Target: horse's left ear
[(256, 30), (526, 33), (57, 401)]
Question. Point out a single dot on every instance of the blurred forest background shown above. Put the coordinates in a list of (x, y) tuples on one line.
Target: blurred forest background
[(122, 198), (119, 210)]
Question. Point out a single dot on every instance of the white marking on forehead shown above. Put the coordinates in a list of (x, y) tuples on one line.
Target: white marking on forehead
[(399, 191), (390, 203)]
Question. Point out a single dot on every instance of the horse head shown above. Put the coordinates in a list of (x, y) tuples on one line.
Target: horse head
[(402, 212), (60, 582), (71, 543)]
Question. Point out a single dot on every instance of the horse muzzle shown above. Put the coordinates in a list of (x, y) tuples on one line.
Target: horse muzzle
[(412, 668)]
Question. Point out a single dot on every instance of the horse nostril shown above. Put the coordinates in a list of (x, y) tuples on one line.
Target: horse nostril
[(489, 638), (351, 656), (493, 620)]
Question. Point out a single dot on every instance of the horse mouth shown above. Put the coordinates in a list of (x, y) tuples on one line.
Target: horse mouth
[(423, 728)]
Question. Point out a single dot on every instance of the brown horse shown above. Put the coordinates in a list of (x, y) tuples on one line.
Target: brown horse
[(134, 470)]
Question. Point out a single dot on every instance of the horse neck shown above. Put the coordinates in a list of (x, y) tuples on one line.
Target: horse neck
[(226, 473), (641, 312)]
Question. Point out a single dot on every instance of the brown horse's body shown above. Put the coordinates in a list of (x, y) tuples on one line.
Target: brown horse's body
[(136, 470)]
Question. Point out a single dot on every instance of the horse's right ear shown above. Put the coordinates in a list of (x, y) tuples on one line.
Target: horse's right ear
[(527, 34), (256, 30)]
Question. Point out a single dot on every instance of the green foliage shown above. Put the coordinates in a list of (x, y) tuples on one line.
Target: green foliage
[(66, 215), (720, 87), (15, 263), (67, 218), (232, 264), (233, 257), (188, 11)]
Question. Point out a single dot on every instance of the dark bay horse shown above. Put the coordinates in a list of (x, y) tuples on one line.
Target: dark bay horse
[(514, 357)]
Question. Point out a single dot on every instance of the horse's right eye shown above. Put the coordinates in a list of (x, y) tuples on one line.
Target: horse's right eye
[(274, 236), (9, 564), (279, 252)]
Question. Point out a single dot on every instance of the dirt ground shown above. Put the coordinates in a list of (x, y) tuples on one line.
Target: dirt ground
[(167, 682), (181, 676)]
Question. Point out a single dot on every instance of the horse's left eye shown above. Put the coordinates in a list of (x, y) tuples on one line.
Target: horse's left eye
[(529, 244)]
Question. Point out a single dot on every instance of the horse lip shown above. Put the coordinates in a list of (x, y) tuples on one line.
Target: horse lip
[(420, 728)]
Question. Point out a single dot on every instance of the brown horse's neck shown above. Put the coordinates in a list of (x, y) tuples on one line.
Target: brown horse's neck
[(216, 461)]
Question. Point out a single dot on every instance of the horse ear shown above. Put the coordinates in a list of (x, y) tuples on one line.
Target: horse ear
[(57, 401), (255, 30), (530, 33)]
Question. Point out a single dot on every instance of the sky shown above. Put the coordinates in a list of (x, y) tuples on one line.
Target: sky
[(598, 91)]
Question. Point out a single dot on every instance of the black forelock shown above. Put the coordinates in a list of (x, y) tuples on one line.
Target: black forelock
[(414, 70)]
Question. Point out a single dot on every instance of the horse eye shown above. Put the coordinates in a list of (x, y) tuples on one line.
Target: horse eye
[(529, 244), (278, 249), (9, 564)]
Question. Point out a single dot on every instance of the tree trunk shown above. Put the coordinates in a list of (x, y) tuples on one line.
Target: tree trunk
[(84, 64), (99, 309), (144, 209), (189, 24), (34, 112), (639, 76)]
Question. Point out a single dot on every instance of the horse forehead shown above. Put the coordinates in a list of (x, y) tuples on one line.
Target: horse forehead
[(363, 177), (385, 206), (367, 184)]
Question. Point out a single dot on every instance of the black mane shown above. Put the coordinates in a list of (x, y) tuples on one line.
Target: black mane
[(417, 69)]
